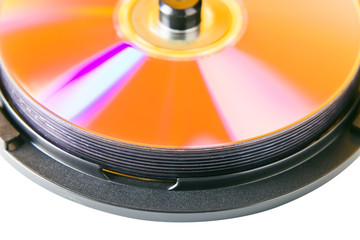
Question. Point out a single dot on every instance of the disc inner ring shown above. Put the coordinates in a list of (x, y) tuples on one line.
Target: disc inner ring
[(222, 24)]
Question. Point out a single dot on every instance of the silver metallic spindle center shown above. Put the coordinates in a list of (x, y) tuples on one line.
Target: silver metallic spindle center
[(180, 15)]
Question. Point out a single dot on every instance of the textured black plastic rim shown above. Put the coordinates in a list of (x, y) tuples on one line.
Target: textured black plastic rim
[(320, 162)]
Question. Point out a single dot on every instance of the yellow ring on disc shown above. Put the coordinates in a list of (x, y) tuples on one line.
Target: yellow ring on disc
[(222, 24)]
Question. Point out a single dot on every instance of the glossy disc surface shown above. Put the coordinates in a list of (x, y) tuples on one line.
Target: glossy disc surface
[(294, 58)]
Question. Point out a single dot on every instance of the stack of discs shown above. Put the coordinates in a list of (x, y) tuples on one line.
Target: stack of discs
[(274, 85)]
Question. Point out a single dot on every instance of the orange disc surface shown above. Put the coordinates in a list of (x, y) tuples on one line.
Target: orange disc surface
[(293, 59)]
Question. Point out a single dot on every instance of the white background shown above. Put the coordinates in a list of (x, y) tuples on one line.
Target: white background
[(27, 211)]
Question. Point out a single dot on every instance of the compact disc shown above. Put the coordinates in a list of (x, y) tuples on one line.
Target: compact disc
[(104, 82), (292, 59)]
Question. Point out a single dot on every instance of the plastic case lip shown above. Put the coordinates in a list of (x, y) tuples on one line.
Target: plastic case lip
[(232, 196)]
